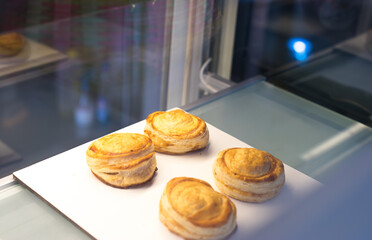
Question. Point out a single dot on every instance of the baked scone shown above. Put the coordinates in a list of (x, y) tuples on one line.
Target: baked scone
[(122, 159), (190, 208), (248, 174), (11, 44), (176, 131)]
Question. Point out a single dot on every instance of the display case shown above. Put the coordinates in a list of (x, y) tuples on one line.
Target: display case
[(287, 77)]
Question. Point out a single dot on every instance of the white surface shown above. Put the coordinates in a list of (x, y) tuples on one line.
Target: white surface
[(65, 181)]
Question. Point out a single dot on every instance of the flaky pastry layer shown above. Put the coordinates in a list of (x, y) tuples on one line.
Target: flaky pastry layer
[(122, 159), (190, 208), (248, 174), (176, 131)]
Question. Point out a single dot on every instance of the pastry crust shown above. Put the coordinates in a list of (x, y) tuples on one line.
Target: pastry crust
[(11, 44), (122, 159), (248, 174), (190, 208), (176, 132)]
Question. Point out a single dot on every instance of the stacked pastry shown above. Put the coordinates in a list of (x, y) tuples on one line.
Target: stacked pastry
[(176, 131), (122, 159), (248, 174), (11, 44), (190, 208)]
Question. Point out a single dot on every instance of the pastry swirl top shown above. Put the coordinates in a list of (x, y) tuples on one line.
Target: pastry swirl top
[(248, 174), (118, 144), (122, 159), (247, 162), (176, 131), (249, 165), (196, 201), (190, 208), (119, 151), (177, 124)]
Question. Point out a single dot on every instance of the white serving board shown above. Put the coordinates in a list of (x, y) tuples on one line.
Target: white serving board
[(66, 182)]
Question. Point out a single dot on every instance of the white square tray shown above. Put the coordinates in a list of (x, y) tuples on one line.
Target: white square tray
[(104, 212)]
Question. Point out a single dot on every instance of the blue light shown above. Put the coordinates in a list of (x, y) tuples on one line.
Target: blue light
[(299, 48)]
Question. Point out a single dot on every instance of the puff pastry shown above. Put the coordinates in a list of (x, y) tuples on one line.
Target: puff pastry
[(176, 131), (248, 174), (11, 44), (190, 208), (122, 159)]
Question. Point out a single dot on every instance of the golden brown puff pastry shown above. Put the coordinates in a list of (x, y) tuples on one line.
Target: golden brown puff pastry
[(248, 174), (122, 159), (11, 44), (176, 131), (190, 208)]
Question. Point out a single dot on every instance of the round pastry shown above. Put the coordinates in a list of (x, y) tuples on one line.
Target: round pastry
[(190, 208), (176, 131), (11, 44), (122, 159), (248, 174)]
